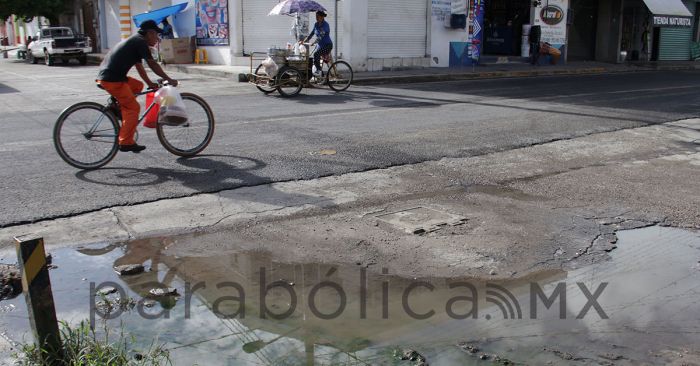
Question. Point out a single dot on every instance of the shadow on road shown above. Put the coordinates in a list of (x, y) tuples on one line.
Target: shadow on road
[(399, 100), (207, 175), (4, 89), (386, 100), (208, 168)]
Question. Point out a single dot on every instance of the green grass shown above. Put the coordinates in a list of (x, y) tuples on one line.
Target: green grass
[(82, 346)]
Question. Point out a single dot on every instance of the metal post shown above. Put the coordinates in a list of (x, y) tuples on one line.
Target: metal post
[(335, 33), (36, 286)]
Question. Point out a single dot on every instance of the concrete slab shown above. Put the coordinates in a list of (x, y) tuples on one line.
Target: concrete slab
[(419, 220)]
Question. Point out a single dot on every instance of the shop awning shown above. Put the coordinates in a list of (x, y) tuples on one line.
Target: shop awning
[(670, 13), (159, 14)]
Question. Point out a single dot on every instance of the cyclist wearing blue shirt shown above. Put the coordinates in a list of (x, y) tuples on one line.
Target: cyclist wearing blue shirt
[(322, 31)]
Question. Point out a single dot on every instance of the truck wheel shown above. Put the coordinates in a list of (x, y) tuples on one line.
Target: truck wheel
[(48, 59), (83, 60)]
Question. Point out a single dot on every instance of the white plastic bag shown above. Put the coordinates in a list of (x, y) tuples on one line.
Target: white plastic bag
[(271, 67), (172, 108)]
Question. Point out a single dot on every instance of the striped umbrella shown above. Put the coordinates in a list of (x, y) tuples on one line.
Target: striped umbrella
[(289, 7)]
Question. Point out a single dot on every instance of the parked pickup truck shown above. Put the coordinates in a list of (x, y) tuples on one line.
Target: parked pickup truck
[(58, 43)]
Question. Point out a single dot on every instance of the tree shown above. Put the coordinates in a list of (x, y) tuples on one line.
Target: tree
[(28, 9)]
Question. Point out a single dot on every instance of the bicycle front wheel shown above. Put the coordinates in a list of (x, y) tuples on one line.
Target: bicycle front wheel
[(193, 136), (340, 76), (85, 135)]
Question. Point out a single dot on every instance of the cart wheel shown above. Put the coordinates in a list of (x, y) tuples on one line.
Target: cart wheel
[(264, 87), (289, 81)]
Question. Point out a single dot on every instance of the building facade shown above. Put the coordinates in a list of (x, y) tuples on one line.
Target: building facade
[(632, 30), (391, 34)]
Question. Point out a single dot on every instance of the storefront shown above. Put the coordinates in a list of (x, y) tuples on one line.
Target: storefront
[(581, 45), (657, 30), (503, 26)]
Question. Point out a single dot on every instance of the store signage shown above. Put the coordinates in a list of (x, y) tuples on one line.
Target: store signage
[(672, 21), (552, 15), (211, 22)]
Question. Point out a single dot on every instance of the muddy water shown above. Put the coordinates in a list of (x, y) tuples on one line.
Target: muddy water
[(253, 308)]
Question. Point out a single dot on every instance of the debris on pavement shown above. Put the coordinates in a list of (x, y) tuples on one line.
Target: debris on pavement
[(129, 269)]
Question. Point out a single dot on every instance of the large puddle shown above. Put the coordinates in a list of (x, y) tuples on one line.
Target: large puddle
[(640, 305)]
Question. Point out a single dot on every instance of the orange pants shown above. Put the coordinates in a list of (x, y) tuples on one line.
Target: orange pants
[(125, 93)]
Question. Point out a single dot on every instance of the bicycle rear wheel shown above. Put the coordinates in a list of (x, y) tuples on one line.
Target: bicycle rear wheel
[(340, 76), (289, 81), (193, 136), (265, 83), (85, 135)]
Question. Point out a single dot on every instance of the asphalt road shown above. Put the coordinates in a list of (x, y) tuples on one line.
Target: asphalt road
[(261, 139)]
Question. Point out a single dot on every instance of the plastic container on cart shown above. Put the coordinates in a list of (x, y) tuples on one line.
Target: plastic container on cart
[(278, 54)]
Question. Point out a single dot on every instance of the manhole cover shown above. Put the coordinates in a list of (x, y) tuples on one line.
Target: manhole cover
[(421, 220)]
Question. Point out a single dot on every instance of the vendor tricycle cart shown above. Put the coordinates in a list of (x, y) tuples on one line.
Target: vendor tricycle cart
[(292, 72)]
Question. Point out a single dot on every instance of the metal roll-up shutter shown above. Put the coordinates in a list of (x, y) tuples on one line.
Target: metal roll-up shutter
[(336, 36), (261, 31), (397, 28), (674, 44)]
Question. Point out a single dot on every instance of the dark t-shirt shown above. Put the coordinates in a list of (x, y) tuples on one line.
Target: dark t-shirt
[(123, 57)]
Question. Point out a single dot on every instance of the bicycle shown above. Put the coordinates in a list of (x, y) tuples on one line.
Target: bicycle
[(295, 73), (86, 134)]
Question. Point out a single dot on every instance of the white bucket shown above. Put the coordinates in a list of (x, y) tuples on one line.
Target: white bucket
[(525, 49)]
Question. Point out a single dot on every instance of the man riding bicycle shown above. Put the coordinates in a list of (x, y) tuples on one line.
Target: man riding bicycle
[(113, 78), (322, 31)]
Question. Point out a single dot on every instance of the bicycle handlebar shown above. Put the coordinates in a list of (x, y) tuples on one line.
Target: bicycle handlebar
[(161, 83)]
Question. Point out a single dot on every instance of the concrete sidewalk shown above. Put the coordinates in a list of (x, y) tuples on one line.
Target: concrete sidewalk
[(419, 75)]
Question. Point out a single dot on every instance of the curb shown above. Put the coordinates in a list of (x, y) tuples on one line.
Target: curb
[(474, 76), (199, 71), (513, 74)]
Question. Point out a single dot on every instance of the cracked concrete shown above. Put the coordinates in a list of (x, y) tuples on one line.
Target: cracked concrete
[(529, 209), (121, 224)]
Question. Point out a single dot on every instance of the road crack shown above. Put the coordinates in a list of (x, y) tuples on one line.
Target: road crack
[(276, 209), (122, 225)]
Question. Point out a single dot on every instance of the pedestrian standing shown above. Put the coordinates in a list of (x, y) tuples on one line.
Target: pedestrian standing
[(167, 30), (534, 38)]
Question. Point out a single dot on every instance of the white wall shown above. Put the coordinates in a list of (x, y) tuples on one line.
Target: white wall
[(354, 27), (111, 17), (440, 38), (32, 27)]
